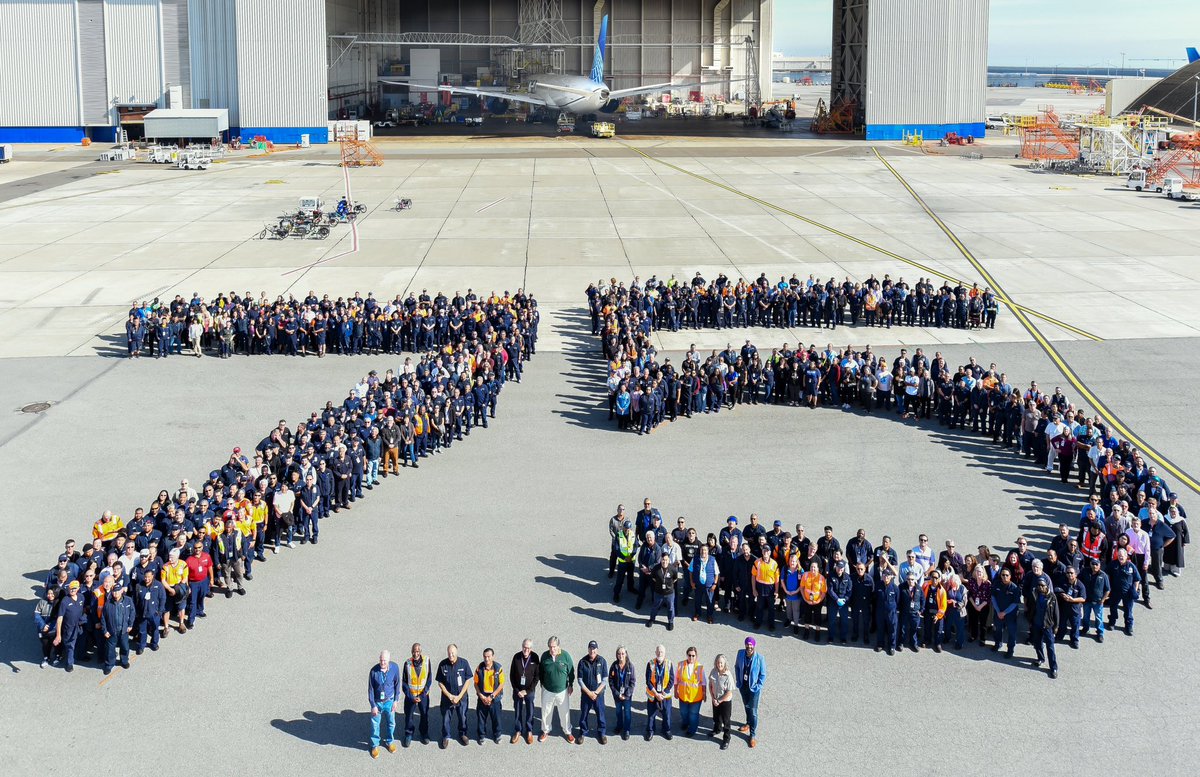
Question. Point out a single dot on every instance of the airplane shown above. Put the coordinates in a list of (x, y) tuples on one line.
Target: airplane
[(1193, 55), (568, 94)]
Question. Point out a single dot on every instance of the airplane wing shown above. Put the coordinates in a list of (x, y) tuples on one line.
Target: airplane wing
[(509, 96), (619, 93)]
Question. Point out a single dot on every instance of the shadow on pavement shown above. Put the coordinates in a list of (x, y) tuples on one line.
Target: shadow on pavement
[(348, 728)]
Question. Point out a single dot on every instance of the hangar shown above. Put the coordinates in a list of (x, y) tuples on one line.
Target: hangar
[(285, 68)]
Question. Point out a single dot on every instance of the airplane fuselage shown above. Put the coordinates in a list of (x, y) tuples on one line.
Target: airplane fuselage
[(571, 94)]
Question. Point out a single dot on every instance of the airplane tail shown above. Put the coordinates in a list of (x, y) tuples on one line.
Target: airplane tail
[(598, 57), (1193, 55)]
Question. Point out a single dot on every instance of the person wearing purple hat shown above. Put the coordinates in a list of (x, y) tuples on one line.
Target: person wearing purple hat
[(750, 673)]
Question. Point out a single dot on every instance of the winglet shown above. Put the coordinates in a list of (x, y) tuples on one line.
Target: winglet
[(1193, 55), (598, 57)]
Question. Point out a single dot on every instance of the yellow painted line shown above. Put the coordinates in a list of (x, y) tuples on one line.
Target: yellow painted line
[(1107, 414), (962, 249), (857, 240)]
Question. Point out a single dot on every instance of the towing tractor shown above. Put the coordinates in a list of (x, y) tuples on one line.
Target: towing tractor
[(603, 129)]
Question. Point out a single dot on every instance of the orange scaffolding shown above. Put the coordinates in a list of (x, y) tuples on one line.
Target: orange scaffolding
[(837, 119), (358, 153), (1184, 162), (1045, 140)]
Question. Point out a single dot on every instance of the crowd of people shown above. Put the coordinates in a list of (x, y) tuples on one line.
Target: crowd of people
[(548, 681), (1090, 575), (672, 304), (232, 324), (122, 590)]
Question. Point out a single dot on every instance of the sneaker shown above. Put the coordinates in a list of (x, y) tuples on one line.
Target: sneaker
[(541, 737), (571, 739), (374, 752), (274, 550), (45, 663), (291, 544), (248, 576), (391, 746)]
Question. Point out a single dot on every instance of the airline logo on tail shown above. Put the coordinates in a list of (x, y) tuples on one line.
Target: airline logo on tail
[(1193, 55), (598, 57)]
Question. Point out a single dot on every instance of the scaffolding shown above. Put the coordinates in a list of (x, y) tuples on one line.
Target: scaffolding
[(1046, 143), (357, 152), (837, 119), (753, 93), (1107, 148)]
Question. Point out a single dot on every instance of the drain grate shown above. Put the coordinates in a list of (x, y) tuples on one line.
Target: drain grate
[(36, 407)]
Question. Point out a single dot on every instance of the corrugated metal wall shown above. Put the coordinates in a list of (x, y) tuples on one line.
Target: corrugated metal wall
[(927, 61), (135, 75), (177, 65), (39, 77), (281, 65), (212, 51), (93, 63)]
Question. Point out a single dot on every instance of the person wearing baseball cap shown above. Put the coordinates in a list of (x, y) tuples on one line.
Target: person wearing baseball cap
[(69, 624), (887, 604), (750, 674), (116, 620), (592, 673)]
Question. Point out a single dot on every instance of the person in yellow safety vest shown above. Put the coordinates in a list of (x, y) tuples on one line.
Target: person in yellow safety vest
[(258, 513), (627, 545), (689, 689), (489, 690), (766, 580), (245, 526), (812, 593), (174, 579), (416, 678), (106, 527), (660, 687)]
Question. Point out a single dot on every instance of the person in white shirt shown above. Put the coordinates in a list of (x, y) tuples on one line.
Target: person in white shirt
[(1053, 429), (924, 551)]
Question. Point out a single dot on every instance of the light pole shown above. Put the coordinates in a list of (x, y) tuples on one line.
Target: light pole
[(1122, 60)]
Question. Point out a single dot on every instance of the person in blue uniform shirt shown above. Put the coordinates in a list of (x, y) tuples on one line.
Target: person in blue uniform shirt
[(911, 602), (1006, 598), (383, 687), (454, 679), (69, 625), (841, 588), (862, 595), (416, 677), (480, 394), (1095, 582), (592, 672), (887, 611), (750, 674), (116, 620), (1125, 579), (150, 602), (1072, 597)]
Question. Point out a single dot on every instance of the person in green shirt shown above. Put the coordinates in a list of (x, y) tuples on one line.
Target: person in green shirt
[(558, 682)]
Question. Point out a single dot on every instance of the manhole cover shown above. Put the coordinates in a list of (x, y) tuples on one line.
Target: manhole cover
[(36, 407)]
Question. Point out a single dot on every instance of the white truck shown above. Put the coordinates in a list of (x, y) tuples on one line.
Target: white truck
[(194, 160), (1137, 182)]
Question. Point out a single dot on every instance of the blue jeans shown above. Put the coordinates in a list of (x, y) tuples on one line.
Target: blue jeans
[(372, 472), (196, 594), (704, 602), (387, 715), (624, 711), (689, 717), (1089, 609), (955, 624), (750, 701), (410, 453)]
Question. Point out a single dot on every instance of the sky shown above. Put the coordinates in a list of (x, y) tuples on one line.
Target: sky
[(1040, 32)]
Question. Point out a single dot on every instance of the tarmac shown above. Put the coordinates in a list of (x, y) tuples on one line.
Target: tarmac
[(504, 536)]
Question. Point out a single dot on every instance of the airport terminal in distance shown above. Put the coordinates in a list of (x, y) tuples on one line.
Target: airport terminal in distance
[(232, 231)]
